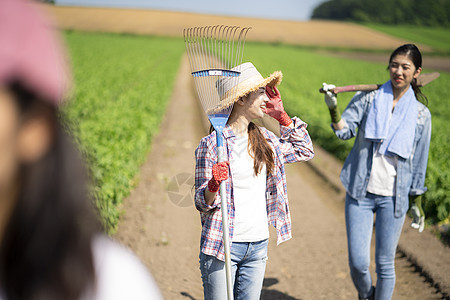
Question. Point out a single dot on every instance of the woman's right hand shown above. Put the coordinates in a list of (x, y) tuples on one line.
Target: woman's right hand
[(331, 101), (219, 174), (330, 97)]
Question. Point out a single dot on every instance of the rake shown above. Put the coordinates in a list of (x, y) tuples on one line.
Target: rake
[(214, 53)]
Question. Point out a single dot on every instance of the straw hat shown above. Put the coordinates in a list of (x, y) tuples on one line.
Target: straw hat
[(232, 88)]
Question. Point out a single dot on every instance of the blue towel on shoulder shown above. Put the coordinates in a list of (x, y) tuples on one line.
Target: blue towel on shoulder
[(395, 133)]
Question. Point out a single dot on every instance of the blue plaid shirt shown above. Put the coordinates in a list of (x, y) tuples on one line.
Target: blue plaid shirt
[(293, 145)]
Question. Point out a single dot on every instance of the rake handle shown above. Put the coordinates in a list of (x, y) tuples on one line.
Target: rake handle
[(225, 228)]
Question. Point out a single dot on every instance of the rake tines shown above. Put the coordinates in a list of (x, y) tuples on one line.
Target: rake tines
[(213, 52)]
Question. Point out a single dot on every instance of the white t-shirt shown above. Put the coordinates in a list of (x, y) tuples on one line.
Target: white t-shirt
[(250, 222), (383, 174), (120, 274)]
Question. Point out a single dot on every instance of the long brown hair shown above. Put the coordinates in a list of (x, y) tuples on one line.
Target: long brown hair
[(259, 149)]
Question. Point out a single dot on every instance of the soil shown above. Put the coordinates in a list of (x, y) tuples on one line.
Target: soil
[(162, 226)]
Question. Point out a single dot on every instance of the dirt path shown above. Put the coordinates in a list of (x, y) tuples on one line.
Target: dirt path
[(166, 235), (163, 228)]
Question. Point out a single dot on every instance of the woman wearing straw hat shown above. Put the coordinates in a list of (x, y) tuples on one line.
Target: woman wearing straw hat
[(255, 180), (51, 244)]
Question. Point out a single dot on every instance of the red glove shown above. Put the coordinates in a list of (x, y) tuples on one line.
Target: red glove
[(274, 107), (219, 173)]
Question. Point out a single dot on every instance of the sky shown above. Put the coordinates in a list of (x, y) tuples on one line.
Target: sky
[(297, 10)]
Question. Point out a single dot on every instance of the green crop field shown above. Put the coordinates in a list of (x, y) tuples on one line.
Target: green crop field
[(123, 83), (122, 86), (304, 72), (436, 38)]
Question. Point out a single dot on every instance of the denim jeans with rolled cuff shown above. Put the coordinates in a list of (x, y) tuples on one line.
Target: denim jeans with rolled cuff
[(248, 265)]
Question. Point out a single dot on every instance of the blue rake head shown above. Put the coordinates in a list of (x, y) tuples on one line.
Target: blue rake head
[(218, 121), (216, 72)]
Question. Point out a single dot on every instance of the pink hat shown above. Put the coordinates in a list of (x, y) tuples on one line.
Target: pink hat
[(31, 52)]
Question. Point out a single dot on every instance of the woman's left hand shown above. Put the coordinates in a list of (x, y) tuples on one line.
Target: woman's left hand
[(274, 107)]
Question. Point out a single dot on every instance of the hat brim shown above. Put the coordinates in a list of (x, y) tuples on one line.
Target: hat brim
[(246, 87)]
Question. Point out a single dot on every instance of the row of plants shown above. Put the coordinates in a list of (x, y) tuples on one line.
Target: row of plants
[(122, 86), (305, 71)]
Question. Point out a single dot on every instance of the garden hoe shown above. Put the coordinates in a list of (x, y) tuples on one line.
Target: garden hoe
[(422, 80)]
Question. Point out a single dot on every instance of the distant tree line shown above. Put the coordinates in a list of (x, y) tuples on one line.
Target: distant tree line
[(414, 12)]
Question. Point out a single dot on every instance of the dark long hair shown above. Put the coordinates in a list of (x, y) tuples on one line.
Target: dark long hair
[(260, 150), (46, 249), (413, 53)]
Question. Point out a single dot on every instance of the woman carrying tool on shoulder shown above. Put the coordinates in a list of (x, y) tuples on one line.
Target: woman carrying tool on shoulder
[(255, 181), (386, 166)]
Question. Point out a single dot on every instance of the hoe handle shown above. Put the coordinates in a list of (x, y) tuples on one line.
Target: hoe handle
[(422, 80)]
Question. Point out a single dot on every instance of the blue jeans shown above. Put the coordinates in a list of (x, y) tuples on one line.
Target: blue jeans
[(248, 264), (359, 223)]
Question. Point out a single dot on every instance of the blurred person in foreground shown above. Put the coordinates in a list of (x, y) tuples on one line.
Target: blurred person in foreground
[(51, 243), (385, 169)]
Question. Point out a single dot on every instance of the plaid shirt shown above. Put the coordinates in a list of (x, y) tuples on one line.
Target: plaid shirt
[(293, 145)]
